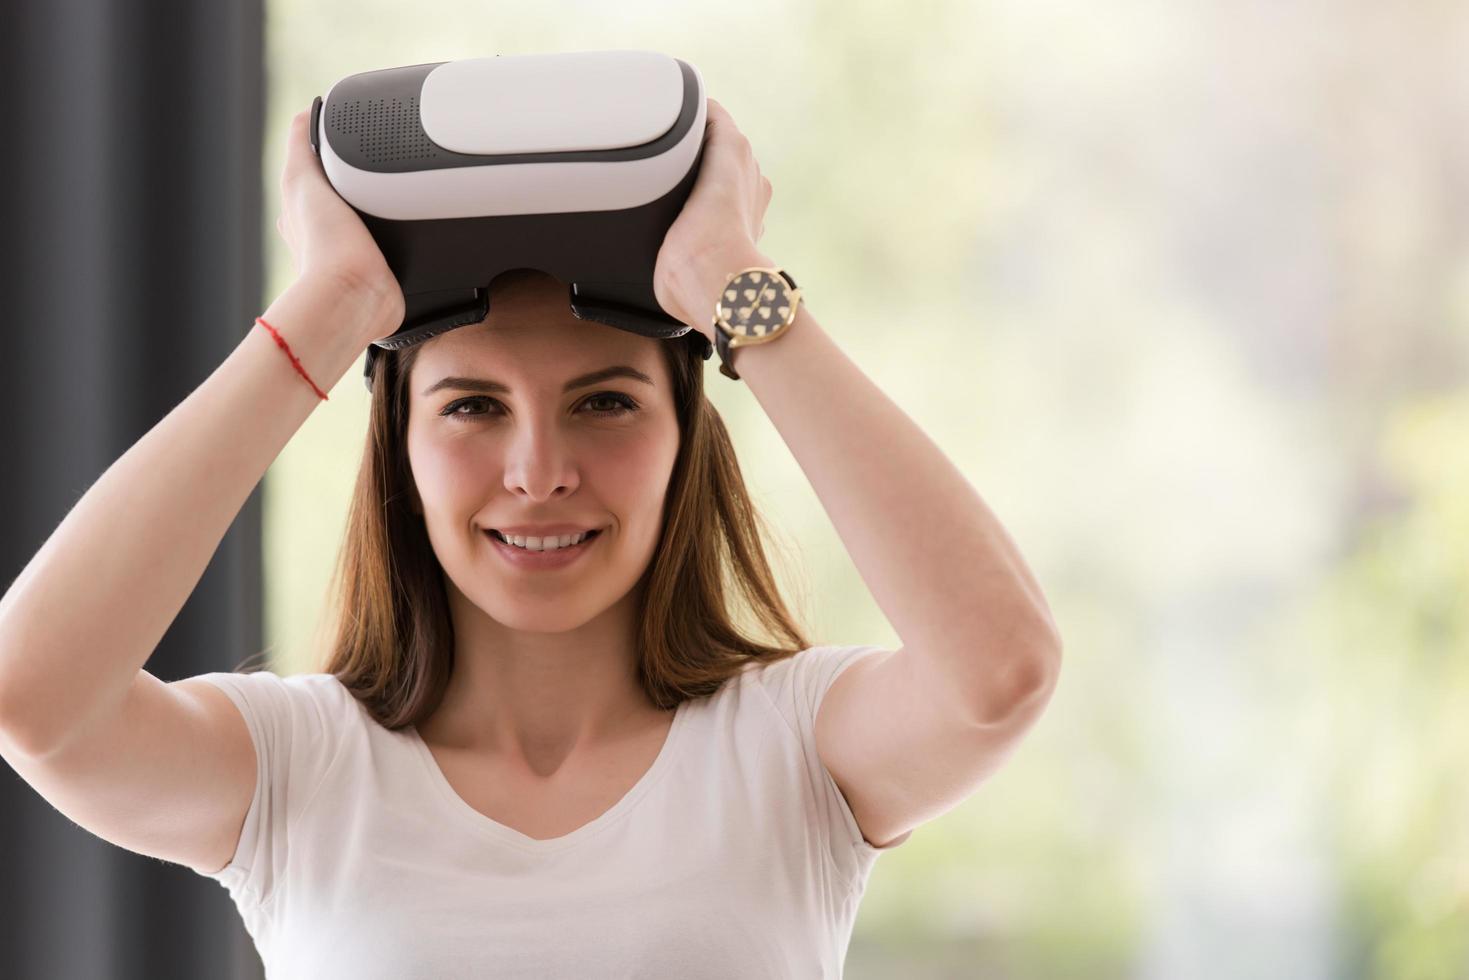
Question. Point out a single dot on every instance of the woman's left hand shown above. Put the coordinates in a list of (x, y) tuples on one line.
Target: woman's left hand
[(717, 230)]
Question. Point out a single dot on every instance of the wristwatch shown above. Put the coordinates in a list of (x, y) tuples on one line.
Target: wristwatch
[(756, 306)]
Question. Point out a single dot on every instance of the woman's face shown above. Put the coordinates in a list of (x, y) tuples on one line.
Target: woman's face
[(534, 453)]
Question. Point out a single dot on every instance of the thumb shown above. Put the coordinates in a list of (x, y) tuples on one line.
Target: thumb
[(301, 159)]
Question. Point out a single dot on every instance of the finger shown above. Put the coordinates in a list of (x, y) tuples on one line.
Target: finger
[(300, 137), (298, 145), (716, 116), (300, 128)]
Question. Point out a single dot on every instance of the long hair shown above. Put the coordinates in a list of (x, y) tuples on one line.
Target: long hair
[(393, 644)]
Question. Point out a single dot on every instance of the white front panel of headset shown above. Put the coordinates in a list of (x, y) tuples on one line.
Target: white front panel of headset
[(551, 103)]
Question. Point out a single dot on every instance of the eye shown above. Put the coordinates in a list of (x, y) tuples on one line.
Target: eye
[(623, 405)]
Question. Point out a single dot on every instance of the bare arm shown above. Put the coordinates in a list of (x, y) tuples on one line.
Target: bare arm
[(91, 606)]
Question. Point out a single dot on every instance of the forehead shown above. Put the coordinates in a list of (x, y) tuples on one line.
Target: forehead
[(533, 345)]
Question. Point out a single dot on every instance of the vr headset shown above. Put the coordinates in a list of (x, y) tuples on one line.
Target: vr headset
[(572, 164)]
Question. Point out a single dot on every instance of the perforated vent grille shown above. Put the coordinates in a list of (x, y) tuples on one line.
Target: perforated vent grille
[(387, 130)]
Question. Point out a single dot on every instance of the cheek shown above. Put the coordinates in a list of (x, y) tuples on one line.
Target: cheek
[(648, 453), (448, 471), (635, 459), (629, 478), (649, 468)]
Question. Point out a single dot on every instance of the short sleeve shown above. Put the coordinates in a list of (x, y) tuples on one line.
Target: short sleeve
[(291, 723), (797, 685)]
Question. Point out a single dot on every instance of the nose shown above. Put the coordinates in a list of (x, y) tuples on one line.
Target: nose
[(539, 464)]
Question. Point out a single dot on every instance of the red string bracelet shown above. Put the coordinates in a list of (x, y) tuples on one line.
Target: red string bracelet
[(280, 342)]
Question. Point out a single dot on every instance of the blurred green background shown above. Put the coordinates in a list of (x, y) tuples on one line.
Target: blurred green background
[(1182, 289)]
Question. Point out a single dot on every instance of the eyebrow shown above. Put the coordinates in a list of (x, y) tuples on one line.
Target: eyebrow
[(489, 387)]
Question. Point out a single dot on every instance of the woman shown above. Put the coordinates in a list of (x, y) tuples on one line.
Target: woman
[(522, 762)]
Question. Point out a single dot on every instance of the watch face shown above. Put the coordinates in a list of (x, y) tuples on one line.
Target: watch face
[(755, 303)]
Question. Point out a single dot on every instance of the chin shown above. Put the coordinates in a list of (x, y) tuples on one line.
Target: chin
[(531, 613), (524, 620)]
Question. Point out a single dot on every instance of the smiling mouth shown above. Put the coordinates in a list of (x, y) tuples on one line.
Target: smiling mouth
[(585, 538)]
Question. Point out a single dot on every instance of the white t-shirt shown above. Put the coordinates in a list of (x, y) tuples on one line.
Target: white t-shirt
[(734, 856)]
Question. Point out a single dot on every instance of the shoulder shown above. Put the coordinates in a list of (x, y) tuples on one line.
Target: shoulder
[(295, 705), (810, 671), (270, 685), (796, 684)]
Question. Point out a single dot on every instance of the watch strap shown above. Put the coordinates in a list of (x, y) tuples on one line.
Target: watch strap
[(721, 344)]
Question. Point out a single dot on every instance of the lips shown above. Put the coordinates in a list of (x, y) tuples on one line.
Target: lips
[(525, 560)]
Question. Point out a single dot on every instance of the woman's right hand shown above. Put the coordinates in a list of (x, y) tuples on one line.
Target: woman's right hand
[(328, 241)]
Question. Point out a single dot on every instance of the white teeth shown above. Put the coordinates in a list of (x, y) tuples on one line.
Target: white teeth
[(544, 544)]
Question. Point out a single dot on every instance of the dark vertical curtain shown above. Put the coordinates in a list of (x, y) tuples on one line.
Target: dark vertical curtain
[(131, 189)]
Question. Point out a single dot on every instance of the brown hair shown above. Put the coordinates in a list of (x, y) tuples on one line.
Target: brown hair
[(393, 645)]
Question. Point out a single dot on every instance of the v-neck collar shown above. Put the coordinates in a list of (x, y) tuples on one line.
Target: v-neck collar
[(493, 829)]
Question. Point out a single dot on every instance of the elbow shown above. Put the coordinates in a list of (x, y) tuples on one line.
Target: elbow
[(1022, 687)]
